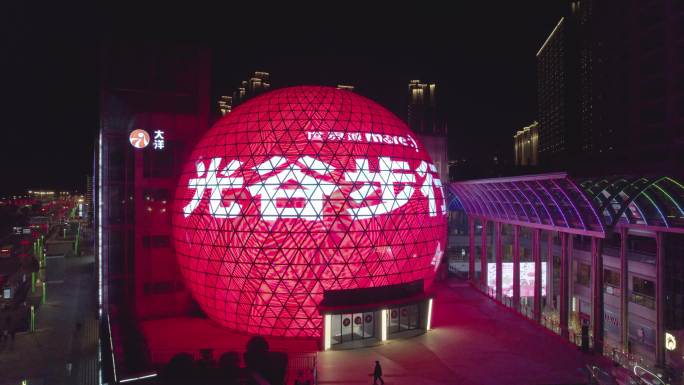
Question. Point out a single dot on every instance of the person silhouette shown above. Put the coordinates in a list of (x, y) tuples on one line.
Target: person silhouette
[(300, 380), (377, 374)]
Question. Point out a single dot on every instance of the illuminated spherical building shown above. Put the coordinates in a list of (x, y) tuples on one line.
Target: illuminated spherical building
[(299, 192)]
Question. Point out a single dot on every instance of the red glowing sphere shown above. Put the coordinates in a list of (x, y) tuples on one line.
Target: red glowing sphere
[(300, 191)]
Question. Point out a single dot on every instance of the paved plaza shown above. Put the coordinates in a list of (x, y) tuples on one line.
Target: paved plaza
[(474, 341), (41, 357)]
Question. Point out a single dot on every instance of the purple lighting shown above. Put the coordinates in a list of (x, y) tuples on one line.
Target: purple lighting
[(548, 201)]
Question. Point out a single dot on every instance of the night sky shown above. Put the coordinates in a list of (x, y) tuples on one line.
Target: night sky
[(482, 58)]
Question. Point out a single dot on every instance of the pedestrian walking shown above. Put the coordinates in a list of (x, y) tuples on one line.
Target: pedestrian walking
[(377, 374)]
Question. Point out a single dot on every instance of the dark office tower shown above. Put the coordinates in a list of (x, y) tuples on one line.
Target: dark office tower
[(557, 95), (610, 88), (571, 114), (645, 77), (422, 107), (423, 120)]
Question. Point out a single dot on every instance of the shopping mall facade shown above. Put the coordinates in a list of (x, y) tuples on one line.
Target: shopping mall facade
[(308, 213), (598, 261), (190, 226)]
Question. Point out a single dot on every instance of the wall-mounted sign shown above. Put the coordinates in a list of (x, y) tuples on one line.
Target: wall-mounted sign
[(139, 138), (158, 143), (670, 342), (526, 278)]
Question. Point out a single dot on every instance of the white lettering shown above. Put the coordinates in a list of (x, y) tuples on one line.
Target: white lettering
[(381, 183)]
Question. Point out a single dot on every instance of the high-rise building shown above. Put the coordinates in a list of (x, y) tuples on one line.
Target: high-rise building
[(526, 145), (258, 83), (152, 109), (570, 113), (643, 73), (225, 104), (422, 107), (610, 89), (557, 95), (423, 120)]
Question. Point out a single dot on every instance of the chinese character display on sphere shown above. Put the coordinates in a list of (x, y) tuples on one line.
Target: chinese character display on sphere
[(299, 191)]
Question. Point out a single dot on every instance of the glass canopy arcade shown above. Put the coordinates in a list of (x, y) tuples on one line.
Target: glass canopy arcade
[(569, 225), (548, 201), (655, 201)]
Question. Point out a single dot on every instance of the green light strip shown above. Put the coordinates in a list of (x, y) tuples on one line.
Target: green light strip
[(657, 208), (671, 198)]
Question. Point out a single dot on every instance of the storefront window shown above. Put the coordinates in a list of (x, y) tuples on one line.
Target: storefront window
[(643, 292), (583, 276), (611, 281)]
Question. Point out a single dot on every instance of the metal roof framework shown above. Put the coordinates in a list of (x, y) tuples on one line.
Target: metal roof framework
[(545, 201), (644, 201), (588, 207)]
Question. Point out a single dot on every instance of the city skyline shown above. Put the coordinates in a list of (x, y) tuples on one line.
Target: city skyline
[(227, 195)]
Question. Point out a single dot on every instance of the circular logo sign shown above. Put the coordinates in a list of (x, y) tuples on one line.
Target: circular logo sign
[(394, 314), (139, 138), (299, 191), (369, 318), (358, 320), (346, 322)]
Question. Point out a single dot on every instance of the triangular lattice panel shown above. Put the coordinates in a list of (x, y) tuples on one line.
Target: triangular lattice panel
[(298, 191)]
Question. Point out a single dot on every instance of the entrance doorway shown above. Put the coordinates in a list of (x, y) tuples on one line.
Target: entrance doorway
[(404, 318)]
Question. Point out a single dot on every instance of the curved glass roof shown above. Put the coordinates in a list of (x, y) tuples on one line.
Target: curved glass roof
[(653, 201), (555, 201), (550, 201)]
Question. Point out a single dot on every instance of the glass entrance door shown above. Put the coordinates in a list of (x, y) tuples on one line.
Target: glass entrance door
[(352, 327)]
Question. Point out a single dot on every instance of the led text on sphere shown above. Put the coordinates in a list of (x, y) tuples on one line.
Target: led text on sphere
[(299, 191)]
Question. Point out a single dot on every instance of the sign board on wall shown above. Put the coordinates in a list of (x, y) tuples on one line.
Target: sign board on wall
[(526, 278)]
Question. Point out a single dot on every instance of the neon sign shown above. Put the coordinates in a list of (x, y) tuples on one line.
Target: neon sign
[(158, 143)]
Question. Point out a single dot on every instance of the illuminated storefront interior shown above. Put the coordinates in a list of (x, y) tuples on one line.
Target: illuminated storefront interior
[(597, 261)]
